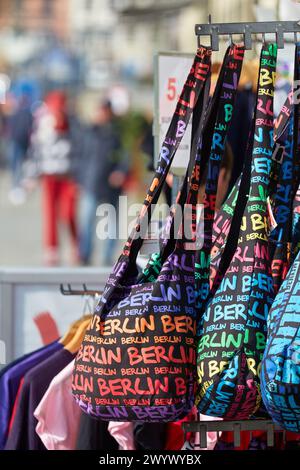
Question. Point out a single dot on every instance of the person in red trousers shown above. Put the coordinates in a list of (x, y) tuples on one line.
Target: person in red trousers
[(51, 145)]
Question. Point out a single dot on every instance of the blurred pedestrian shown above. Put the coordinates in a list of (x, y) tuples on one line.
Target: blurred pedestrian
[(104, 170), (19, 128), (51, 149)]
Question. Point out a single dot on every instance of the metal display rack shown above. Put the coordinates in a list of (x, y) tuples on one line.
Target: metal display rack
[(203, 427), (246, 31)]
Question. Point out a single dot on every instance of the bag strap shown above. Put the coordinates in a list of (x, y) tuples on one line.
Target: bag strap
[(198, 122), (167, 239), (287, 182), (184, 108), (229, 87), (233, 207), (288, 178), (263, 136), (205, 134), (211, 144), (228, 95), (261, 141)]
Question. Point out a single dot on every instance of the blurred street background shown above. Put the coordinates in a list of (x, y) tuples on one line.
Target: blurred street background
[(76, 94)]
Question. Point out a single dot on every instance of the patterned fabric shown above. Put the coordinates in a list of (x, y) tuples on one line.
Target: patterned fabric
[(228, 219), (280, 371), (233, 328), (281, 236), (138, 356)]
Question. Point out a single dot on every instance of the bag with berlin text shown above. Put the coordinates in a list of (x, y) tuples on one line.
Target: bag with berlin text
[(137, 359)]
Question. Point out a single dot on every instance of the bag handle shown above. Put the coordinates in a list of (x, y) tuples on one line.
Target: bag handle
[(248, 177), (215, 131), (289, 177), (228, 95), (262, 148), (198, 122), (167, 240), (192, 88), (199, 130)]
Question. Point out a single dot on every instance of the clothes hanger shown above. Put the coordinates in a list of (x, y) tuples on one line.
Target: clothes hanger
[(87, 315), (74, 345)]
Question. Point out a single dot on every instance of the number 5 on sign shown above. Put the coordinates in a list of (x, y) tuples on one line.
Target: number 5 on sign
[(171, 93), (171, 70)]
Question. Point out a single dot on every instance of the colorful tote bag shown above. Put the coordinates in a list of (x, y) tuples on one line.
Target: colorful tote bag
[(280, 371), (137, 359), (233, 327)]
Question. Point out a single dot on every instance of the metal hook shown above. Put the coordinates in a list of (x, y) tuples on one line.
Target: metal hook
[(230, 40), (295, 37), (263, 37), (247, 38), (87, 307), (209, 18), (96, 299)]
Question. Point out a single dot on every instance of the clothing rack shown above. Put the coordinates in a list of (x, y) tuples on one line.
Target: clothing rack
[(82, 292), (279, 28), (246, 30), (202, 427)]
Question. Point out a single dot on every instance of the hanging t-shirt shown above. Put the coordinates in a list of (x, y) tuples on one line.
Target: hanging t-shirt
[(22, 435), (10, 380), (150, 436), (122, 432), (93, 435), (58, 430)]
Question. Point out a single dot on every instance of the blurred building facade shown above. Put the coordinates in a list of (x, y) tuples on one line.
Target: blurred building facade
[(111, 40), (36, 16)]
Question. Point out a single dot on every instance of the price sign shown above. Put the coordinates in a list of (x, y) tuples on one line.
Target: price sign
[(170, 74)]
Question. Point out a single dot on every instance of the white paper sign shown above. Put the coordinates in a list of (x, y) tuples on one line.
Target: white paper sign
[(172, 72)]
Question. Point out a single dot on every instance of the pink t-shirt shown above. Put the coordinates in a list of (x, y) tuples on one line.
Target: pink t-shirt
[(122, 432), (58, 414)]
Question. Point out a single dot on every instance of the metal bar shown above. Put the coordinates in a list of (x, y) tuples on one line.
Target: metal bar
[(270, 435), (40, 276), (203, 436), (253, 27), (237, 434), (219, 426), (279, 28), (236, 426), (82, 292)]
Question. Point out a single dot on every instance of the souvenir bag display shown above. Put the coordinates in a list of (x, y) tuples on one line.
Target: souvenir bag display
[(137, 359), (233, 327), (280, 371)]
